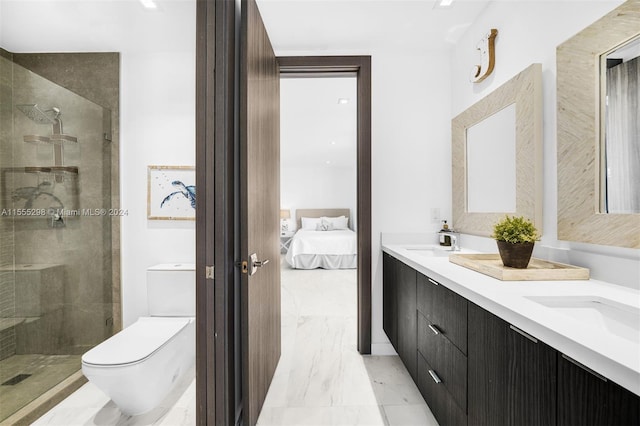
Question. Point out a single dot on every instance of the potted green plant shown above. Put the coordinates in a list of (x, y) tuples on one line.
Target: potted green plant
[(515, 237)]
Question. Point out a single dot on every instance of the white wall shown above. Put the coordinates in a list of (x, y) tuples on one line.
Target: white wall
[(157, 96), (411, 158), (317, 187), (529, 32)]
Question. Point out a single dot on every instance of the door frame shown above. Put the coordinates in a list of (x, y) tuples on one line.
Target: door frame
[(217, 372), (307, 66)]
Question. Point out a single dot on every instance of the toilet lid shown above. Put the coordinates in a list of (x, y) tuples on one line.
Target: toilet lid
[(136, 342)]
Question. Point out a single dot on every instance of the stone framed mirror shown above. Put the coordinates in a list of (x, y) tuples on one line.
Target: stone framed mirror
[(497, 156), (587, 210)]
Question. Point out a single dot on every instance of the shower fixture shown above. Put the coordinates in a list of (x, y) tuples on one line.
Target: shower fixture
[(36, 114), (46, 116), (57, 138)]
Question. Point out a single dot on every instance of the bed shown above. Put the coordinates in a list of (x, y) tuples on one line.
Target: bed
[(321, 240)]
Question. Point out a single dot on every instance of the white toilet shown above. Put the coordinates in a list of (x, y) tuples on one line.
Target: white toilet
[(139, 366)]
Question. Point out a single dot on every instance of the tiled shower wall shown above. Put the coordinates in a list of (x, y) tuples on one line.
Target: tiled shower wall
[(96, 77), (77, 262), (7, 246)]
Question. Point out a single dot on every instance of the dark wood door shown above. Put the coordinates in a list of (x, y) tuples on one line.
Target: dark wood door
[(390, 299), (585, 398), (511, 376), (259, 210)]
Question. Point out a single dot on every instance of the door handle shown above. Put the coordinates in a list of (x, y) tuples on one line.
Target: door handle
[(434, 329), (255, 263)]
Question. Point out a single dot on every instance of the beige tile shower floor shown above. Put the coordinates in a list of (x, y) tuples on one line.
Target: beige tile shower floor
[(46, 372)]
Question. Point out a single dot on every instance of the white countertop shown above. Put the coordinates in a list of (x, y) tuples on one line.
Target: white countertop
[(586, 341)]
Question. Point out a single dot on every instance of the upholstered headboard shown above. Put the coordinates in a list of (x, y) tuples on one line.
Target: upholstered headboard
[(300, 213)]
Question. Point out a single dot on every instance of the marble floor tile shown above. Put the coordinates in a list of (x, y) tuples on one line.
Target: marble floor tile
[(391, 381), (409, 415), (321, 416), (321, 378)]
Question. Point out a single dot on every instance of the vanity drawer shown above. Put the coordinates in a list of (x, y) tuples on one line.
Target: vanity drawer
[(437, 397), (444, 309), (446, 359)]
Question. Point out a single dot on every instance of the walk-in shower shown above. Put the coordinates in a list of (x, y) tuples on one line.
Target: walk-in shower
[(56, 256)]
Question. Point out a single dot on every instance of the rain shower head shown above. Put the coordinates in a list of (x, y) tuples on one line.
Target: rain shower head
[(36, 114)]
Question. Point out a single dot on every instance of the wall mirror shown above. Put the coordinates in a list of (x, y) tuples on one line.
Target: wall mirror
[(598, 139), (491, 163), (497, 156), (620, 129)]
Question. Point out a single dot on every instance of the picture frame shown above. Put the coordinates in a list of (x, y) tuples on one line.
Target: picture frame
[(171, 193)]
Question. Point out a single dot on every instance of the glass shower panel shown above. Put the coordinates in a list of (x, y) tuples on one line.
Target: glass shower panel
[(55, 229)]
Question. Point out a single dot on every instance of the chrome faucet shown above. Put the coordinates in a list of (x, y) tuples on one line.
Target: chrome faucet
[(454, 239)]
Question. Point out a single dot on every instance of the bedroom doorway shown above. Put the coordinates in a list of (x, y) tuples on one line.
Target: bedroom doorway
[(318, 188), (356, 68)]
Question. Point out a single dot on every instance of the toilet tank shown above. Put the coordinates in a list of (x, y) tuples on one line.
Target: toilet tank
[(171, 290)]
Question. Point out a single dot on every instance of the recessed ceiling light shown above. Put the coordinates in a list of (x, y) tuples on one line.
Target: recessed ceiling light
[(328, 162), (333, 142), (149, 4), (442, 4), (343, 101)]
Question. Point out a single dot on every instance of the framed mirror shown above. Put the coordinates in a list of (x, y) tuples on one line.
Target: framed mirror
[(620, 129), (497, 156), (598, 125)]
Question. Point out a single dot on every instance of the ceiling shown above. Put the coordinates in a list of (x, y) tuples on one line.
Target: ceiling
[(97, 26), (315, 130), (366, 25), (293, 25)]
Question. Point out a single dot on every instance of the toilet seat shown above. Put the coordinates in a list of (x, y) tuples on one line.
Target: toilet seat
[(135, 343)]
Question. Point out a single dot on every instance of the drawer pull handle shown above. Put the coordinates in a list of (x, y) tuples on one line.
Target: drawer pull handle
[(434, 376), (434, 329), (433, 282), (584, 367), (522, 333)]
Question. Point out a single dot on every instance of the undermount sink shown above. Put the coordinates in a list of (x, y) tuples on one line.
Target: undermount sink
[(431, 251), (608, 315)]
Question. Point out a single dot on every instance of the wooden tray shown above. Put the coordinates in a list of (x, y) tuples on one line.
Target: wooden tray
[(538, 269)]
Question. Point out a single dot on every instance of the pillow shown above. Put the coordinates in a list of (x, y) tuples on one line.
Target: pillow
[(310, 223), (340, 222), (324, 225)]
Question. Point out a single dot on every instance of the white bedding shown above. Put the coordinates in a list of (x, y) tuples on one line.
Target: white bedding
[(323, 249)]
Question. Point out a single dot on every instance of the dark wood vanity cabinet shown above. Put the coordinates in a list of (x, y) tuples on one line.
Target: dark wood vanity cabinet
[(512, 375), (474, 368), (407, 318), (399, 318), (442, 346), (586, 398), (444, 309), (390, 299), (440, 402)]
